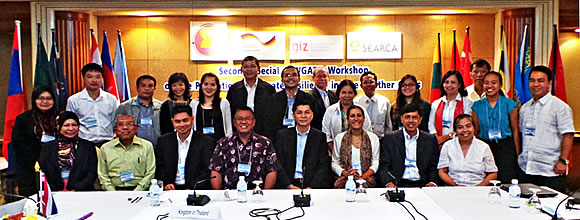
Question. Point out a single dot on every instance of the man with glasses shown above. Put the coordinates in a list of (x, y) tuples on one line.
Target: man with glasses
[(377, 106), (243, 153), (323, 97), (126, 163)]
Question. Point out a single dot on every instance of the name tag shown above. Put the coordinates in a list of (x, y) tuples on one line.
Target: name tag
[(196, 212), (298, 174), (410, 163), (358, 167), (244, 168), (180, 178), (494, 134), (147, 121), (446, 124), (91, 123), (65, 174), (288, 122), (47, 138), (530, 131), (208, 130), (128, 176)]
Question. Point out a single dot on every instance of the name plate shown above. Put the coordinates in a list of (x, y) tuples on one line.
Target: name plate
[(195, 212)]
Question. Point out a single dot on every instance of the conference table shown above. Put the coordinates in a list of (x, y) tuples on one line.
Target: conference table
[(435, 203)]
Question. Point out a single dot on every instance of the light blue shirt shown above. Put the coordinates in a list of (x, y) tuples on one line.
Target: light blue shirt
[(300, 146), (411, 171), (289, 107)]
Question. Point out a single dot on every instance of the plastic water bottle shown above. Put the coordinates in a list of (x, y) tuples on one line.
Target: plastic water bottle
[(155, 192), (350, 187), (515, 192), (242, 189)]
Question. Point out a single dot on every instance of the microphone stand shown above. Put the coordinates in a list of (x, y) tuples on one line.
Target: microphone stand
[(395, 195), (198, 200)]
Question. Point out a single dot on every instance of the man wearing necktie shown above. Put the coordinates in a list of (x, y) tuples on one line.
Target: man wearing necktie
[(323, 97)]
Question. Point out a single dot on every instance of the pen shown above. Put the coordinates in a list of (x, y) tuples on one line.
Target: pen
[(86, 216)]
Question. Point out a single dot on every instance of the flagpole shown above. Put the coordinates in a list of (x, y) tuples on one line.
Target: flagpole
[(467, 30), (454, 49), (554, 59)]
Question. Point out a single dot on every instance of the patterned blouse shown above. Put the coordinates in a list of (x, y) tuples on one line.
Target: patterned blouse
[(230, 151)]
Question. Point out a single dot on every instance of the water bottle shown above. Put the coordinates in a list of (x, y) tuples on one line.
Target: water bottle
[(514, 191), (242, 189), (350, 187), (155, 192)]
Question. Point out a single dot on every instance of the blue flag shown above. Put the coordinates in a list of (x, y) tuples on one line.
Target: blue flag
[(120, 70), (522, 70)]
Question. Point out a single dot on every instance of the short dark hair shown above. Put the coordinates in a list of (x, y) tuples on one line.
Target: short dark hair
[(368, 73), (459, 117), (480, 63), (244, 108), (251, 58), (354, 107), (289, 67), (543, 69), (180, 109), (500, 79), (457, 74), (179, 77), (300, 102), (343, 83), (411, 107), (91, 67), (142, 77)]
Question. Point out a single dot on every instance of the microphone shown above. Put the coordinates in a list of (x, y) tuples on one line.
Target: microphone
[(198, 200), (395, 195), (302, 200)]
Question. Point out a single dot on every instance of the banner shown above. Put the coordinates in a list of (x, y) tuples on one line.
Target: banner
[(329, 47), (264, 45), (373, 45), (208, 41), (276, 70)]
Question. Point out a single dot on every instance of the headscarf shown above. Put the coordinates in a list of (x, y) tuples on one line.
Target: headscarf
[(44, 121), (66, 146)]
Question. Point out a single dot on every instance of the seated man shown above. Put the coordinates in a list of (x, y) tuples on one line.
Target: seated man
[(183, 155), (410, 155), (302, 152), (127, 162), (243, 153)]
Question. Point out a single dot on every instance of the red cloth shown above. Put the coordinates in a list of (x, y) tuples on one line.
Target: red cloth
[(439, 115)]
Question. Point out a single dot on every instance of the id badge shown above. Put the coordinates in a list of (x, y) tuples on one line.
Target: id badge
[(446, 124), (208, 130), (47, 138), (128, 176), (244, 168), (530, 131), (180, 178), (147, 121), (357, 167), (494, 134), (65, 174), (91, 123), (288, 122), (400, 127)]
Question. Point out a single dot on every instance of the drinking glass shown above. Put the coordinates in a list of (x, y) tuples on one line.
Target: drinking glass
[(534, 201), (361, 192), (494, 195), (257, 194)]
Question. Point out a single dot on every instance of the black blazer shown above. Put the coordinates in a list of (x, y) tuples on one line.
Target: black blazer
[(26, 152), (393, 157), (238, 95), (83, 173), (277, 111), (315, 163), (196, 163), (320, 108)]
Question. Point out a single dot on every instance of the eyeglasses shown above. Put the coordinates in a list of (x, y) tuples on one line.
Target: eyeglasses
[(408, 85), (41, 98), (290, 75), (249, 66), (244, 119), (129, 124), (369, 82)]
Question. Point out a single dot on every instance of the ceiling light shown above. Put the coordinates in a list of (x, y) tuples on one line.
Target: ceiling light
[(292, 12), (577, 30), (220, 12), (372, 12), (144, 13)]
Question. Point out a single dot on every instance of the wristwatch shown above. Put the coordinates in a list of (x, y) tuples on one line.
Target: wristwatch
[(564, 161)]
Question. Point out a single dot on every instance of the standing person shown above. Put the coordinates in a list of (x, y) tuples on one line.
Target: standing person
[(209, 118), (179, 94), (335, 118), (407, 93), (95, 107), (378, 106), (548, 132), (31, 129), (323, 97), (144, 108), (252, 92), (478, 69), (452, 103), (496, 118), (69, 162)]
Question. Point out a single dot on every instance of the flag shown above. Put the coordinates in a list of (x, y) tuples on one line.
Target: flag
[(466, 60), (95, 55), (558, 84), (455, 61), (522, 70), (110, 82), (43, 76), (47, 204), (57, 69), (436, 75), (504, 69), (16, 91), (120, 70)]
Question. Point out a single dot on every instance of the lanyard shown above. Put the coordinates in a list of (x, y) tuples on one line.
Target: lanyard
[(203, 117), (239, 153)]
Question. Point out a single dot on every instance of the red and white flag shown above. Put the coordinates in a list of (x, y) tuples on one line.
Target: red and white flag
[(95, 55)]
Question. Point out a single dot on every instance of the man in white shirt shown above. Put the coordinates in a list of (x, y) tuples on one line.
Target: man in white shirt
[(477, 70), (547, 134), (377, 106), (323, 97), (95, 107)]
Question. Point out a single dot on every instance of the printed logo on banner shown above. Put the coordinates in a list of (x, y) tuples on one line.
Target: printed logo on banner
[(208, 41), (373, 45), (264, 45), (329, 47)]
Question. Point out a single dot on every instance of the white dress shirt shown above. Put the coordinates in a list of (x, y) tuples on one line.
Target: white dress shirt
[(182, 149), (547, 119), (448, 112), (380, 113), (226, 116), (472, 94), (332, 121), (411, 170), (468, 170), (251, 93), (97, 117), (375, 147)]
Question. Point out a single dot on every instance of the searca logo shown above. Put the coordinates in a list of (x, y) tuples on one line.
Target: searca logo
[(203, 39), (355, 46)]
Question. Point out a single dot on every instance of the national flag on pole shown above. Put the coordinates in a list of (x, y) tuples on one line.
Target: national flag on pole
[(16, 91), (436, 75), (43, 76), (455, 61), (108, 75), (120, 70), (57, 68), (95, 55), (558, 83), (504, 69), (522, 70), (466, 60), (47, 204)]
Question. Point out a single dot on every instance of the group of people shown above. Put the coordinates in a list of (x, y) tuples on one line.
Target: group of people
[(294, 139)]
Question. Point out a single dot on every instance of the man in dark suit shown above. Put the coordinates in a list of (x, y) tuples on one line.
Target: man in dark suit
[(252, 92), (323, 97), (280, 110), (410, 155), (302, 152), (183, 156)]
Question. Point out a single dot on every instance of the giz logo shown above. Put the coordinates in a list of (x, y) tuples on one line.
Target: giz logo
[(355, 46), (299, 47), (203, 39)]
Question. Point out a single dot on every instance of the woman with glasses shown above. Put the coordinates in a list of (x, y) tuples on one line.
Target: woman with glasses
[(178, 95), (212, 113), (407, 93)]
